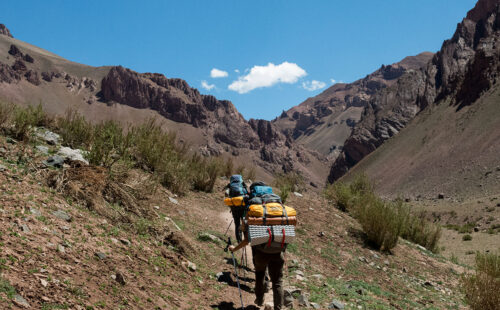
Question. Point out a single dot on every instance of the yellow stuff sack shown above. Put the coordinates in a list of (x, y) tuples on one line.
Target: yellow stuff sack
[(234, 201), (272, 209)]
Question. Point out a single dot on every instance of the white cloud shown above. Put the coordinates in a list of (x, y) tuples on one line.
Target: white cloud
[(313, 85), (334, 81), (207, 86), (216, 73), (266, 76), (236, 70)]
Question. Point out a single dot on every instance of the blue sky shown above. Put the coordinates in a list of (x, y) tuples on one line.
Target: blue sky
[(285, 51)]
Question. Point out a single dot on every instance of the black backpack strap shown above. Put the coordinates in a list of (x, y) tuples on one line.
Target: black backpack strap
[(286, 214), (264, 208)]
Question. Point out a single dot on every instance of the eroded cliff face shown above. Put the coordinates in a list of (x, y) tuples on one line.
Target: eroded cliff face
[(224, 127), (466, 66), (324, 122), (5, 31)]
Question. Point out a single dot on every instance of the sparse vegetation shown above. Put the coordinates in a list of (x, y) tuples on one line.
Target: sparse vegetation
[(482, 288), (466, 237), (383, 222), (287, 183), (26, 119)]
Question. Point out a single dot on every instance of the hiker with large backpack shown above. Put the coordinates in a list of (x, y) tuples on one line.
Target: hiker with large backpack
[(237, 193), (269, 226)]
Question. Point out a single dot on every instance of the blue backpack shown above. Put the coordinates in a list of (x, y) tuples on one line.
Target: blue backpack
[(259, 189), (236, 186)]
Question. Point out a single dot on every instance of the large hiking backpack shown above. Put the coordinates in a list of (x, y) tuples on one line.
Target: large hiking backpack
[(236, 187), (271, 225), (237, 192)]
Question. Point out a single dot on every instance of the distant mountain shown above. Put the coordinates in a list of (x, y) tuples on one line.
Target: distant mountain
[(323, 123), (454, 142), (29, 75)]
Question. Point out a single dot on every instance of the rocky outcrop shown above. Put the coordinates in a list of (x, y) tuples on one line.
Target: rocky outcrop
[(177, 101), (466, 66), (5, 31), (303, 120)]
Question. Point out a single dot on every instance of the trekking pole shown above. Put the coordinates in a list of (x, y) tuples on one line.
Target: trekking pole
[(228, 227), (235, 270)]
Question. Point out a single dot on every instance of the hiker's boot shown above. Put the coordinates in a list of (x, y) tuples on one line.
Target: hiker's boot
[(259, 301)]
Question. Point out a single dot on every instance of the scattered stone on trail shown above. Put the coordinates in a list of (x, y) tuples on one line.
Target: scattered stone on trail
[(173, 200), (49, 137), (440, 196), (421, 247), (321, 234), (54, 161), (299, 272), (363, 259), (304, 301), (156, 207), (298, 194), (386, 262), (298, 277), (44, 282), (100, 255), (317, 276), (119, 278), (288, 301), (376, 256), (25, 228), (35, 212), (70, 154), (3, 150), (268, 306), (20, 301), (125, 242), (315, 305), (62, 215), (207, 236), (405, 270), (191, 266), (335, 304), (428, 283), (61, 249), (42, 149), (2, 168), (224, 276), (384, 269)]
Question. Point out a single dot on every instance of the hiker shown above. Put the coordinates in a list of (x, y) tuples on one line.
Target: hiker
[(237, 188), (271, 258)]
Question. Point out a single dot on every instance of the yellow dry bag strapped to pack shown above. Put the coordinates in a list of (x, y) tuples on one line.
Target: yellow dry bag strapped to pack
[(235, 201), (272, 209)]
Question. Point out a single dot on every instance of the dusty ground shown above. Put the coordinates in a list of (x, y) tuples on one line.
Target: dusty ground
[(53, 263)]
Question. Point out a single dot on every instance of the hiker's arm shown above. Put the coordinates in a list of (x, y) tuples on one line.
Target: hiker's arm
[(242, 244)]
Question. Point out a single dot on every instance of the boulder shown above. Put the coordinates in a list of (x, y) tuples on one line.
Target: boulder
[(70, 155), (54, 161), (49, 137), (335, 304)]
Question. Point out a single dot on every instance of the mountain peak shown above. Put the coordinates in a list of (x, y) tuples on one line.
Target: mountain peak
[(5, 31)]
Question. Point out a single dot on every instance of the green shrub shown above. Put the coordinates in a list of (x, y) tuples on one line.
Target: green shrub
[(287, 183), (421, 231), (347, 195), (26, 119), (229, 167), (108, 144), (383, 222), (250, 174), (205, 172), (6, 111), (466, 237), (75, 130), (482, 289)]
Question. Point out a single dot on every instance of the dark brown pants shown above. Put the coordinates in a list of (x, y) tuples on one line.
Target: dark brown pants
[(274, 263)]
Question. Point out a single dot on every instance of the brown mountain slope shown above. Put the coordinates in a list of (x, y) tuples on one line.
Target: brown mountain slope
[(30, 75), (466, 66), (322, 123)]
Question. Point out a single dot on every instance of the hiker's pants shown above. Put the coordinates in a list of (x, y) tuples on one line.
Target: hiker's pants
[(274, 263), (237, 216)]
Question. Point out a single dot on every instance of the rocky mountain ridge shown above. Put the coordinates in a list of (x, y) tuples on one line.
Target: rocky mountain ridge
[(322, 123), (213, 127), (466, 66)]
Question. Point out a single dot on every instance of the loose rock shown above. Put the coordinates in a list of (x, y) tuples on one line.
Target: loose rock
[(100, 255), (173, 200), (54, 161), (335, 304), (62, 215), (20, 301)]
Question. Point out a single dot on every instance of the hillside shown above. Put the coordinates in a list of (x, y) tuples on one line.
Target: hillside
[(78, 237), (30, 75), (323, 123), (463, 72)]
